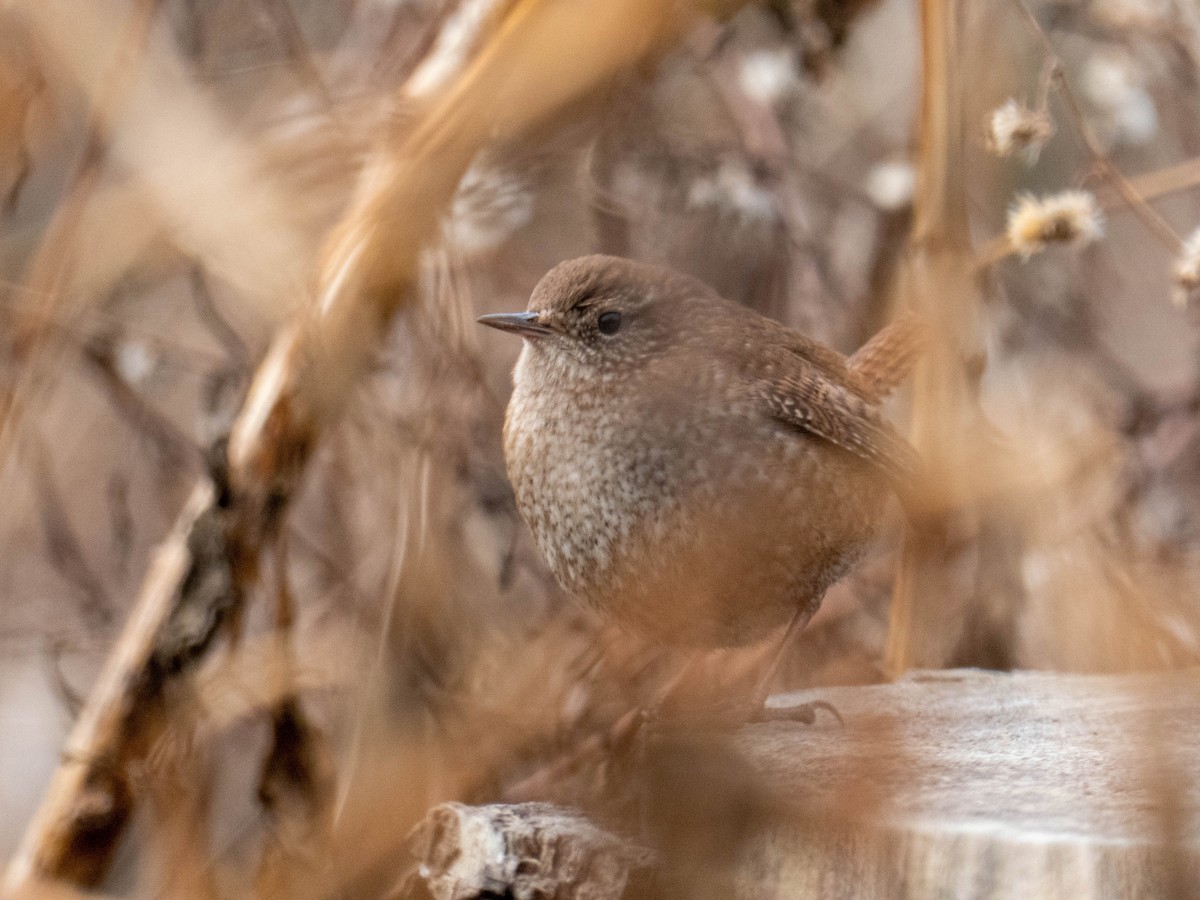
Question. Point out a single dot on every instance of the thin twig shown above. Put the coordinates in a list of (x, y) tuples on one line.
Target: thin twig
[(1153, 185), (297, 50), (175, 449), (217, 324), (66, 552)]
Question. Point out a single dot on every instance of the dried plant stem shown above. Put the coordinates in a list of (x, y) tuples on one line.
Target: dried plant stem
[(540, 57), (178, 787), (1153, 185), (940, 279)]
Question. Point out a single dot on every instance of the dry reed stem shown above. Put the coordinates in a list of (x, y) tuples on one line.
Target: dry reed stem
[(295, 784), (940, 280), (542, 56)]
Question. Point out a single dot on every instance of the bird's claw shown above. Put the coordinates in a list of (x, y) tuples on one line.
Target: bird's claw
[(804, 713)]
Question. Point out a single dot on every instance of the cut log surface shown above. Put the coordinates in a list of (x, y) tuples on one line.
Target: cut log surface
[(968, 784)]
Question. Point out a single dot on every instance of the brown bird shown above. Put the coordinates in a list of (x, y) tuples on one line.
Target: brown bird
[(696, 471)]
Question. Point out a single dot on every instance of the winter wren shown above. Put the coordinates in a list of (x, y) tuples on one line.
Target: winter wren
[(696, 471)]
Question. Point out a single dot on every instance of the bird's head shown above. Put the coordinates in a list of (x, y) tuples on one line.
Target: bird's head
[(603, 313)]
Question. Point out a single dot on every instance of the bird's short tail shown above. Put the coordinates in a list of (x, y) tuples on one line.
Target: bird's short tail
[(888, 358)]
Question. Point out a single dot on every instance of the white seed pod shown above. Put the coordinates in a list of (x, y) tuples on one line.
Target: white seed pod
[(1014, 128), (1070, 217)]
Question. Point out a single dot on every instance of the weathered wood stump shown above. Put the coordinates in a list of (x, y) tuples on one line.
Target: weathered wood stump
[(527, 851), (972, 784), (960, 784)]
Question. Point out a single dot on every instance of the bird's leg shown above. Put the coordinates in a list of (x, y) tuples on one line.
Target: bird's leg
[(670, 702), (805, 713)]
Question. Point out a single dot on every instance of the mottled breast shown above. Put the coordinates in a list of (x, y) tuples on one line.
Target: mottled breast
[(587, 469), (671, 503)]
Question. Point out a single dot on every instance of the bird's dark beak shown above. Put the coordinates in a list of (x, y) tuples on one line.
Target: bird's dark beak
[(525, 324)]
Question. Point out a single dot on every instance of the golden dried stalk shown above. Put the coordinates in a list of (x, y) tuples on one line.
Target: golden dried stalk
[(925, 624)]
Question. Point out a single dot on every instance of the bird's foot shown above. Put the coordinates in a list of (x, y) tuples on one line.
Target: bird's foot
[(733, 714), (804, 713)]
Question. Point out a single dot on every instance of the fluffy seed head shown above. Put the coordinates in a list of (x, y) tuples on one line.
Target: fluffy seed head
[(1070, 217), (1014, 128)]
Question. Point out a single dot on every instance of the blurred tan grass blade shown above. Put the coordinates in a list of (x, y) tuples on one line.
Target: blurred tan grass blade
[(207, 184), (927, 619), (543, 56)]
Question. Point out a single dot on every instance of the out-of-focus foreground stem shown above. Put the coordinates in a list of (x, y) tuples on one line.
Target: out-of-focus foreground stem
[(537, 58), (926, 623)]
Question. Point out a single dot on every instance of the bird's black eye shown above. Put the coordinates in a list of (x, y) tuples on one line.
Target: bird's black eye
[(609, 322)]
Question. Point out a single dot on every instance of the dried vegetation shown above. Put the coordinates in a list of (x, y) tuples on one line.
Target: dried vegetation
[(257, 541)]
